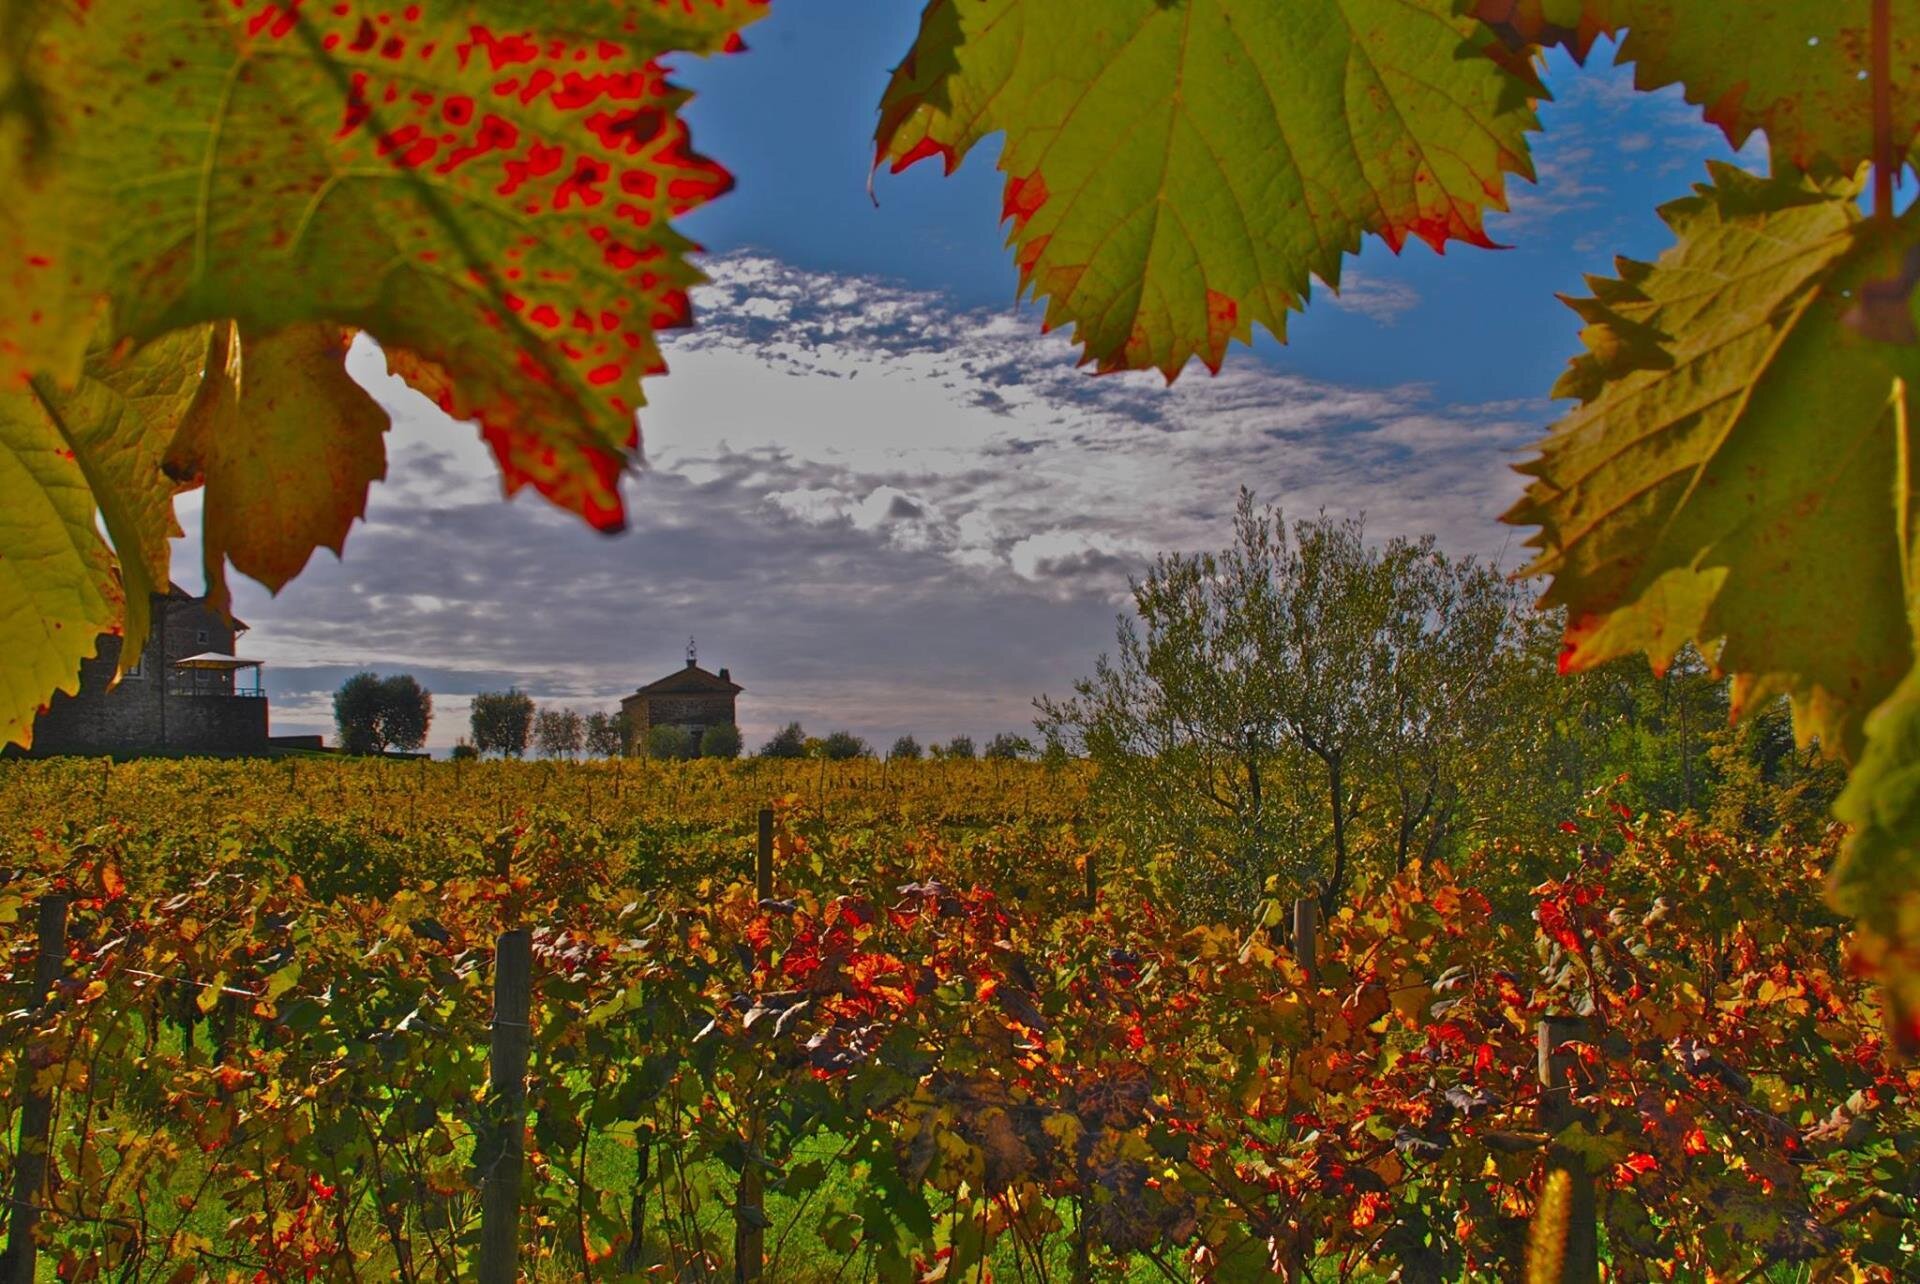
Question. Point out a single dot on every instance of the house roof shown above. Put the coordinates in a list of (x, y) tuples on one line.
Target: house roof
[(178, 594), (692, 680)]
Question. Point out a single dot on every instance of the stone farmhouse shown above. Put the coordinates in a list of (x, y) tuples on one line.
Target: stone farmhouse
[(691, 699), (188, 694)]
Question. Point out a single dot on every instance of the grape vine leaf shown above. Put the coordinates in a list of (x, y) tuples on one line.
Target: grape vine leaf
[(1795, 69), (485, 186), (285, 445), (1724, 479), (1878, 877), (1178, 172), (487, 196), (65, 457)]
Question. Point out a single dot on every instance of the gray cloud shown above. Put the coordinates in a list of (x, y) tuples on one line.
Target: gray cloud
[(880, 512)]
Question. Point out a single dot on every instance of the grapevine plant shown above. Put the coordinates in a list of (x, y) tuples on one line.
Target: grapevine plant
[(203, 198), (944, 1062)]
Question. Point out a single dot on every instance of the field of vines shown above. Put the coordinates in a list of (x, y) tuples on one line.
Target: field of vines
[(960, 1037)]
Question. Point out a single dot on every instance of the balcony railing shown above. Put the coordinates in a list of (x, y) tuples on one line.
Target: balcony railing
[(177, 688)]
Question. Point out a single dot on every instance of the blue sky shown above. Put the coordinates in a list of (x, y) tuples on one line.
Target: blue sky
[(882, 498)]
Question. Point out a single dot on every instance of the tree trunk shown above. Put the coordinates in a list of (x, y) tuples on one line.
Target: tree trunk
[(1336, 884)]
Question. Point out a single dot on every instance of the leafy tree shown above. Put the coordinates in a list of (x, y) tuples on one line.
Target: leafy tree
[(788, 742), (408, 712), (1273, 696), (463, 751), (905, 749), (669, 742), (607, 734), (373, 714), (357, 708), (1007, 745), (1766, 782), (838, 746), (958, 749), (502, 722), (559, 733), (722, 740)]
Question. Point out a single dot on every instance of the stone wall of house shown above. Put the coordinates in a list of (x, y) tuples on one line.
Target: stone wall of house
[(697, 709), (199, 712)]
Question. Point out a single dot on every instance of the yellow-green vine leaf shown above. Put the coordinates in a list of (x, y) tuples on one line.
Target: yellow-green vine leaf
[(69, 463), (1178, 172), (1795, 69), (286, 446), (1726, 479), (485, 186), (1878, 878)]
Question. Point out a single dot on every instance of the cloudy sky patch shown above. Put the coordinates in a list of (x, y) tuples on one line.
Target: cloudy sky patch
[(880, 496)]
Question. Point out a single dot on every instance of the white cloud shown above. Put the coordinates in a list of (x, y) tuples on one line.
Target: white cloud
[(881, 512), (1383, 301)]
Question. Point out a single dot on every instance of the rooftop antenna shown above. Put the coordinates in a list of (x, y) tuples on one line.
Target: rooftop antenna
[(692, 654)]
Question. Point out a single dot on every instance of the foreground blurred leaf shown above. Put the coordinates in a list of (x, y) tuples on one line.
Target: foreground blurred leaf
[(1878, 879), (286, 446), (65, 456), (1795, 70), (1178, 172), (485, 186), (1725, 479)]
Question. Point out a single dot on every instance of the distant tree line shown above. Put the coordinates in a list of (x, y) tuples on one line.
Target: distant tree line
[(376, 714)]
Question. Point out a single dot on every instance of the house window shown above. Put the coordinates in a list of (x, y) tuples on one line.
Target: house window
[(200, 638)]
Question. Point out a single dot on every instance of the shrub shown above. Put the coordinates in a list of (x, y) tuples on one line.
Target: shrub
[(669, 742), (842, 745), (721, 741), (788, 742)]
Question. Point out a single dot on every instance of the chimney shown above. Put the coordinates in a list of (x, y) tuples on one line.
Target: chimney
[(725, 676)]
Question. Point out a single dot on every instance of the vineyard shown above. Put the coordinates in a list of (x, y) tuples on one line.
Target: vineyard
[(272, 1020)]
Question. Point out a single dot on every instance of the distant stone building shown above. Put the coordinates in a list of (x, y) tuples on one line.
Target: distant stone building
[(691, 699), (181, 698)]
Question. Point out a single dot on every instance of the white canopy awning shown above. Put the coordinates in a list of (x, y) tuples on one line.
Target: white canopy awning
[(216, 661)]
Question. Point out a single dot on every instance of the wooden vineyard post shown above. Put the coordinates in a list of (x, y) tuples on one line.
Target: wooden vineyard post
[(1306, 932), (1581, 1263), (635, 1256), (500, 1180), (1092, 865), (763, 856), (750, 1216), (36, 1112)]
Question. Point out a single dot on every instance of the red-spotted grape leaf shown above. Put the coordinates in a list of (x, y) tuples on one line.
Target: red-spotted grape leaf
[(1795, 69), (67, 460), (1179, 172), (485, 187), (286, 446), (1725, 477)]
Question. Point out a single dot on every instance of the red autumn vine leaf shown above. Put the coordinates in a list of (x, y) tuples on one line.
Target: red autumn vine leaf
[(484, 186)]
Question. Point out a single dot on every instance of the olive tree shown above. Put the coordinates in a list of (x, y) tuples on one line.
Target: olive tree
[(502, 722), (373, 714), (1303, 698), (559, 733)]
